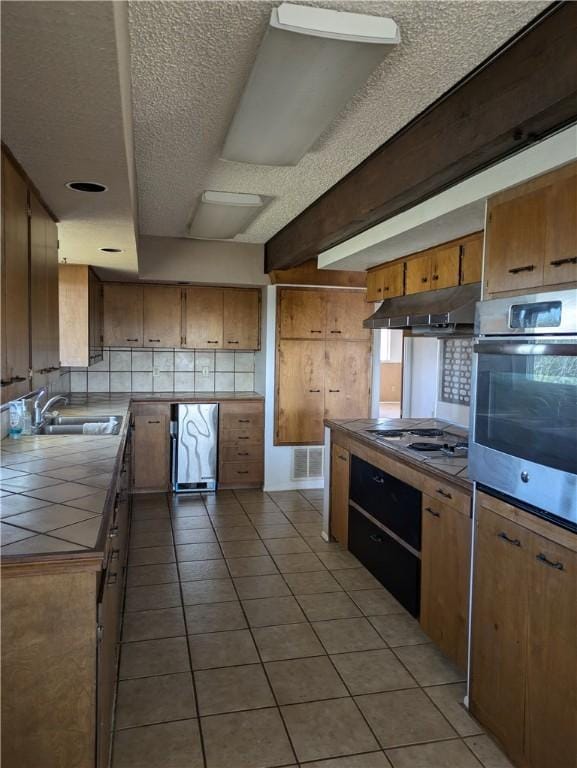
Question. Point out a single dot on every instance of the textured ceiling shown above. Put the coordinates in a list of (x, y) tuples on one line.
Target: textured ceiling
[(189, 63), (62, 117)]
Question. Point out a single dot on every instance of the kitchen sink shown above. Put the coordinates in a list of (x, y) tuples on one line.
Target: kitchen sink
[(74, 425)]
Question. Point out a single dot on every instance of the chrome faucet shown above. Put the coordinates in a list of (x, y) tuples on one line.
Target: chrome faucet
[(40, 410)]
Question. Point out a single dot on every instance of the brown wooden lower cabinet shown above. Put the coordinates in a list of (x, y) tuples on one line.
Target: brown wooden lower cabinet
[(241, 439), (60, 640), (445, 567), (524, 635), (151, 446), (339, 517)]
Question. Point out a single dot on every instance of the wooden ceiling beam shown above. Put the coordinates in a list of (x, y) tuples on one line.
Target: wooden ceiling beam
[(524, 92)]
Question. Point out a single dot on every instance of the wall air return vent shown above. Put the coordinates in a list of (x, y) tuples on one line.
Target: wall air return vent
[(307, 463)]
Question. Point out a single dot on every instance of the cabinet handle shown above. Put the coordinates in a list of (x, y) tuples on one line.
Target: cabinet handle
[(334, 390), (212, 342), (336, 331), (508, 539), (314, 390), (153, 422), (242, 471), (113, 533), (435, 277), (386, 288), (244, 421), (243, 438), (315, 331), (378, 480), (131, 339), (6, 382), (379, 290), (561, 262), (16, 379), (377, 539), (156, 340), (545, 560), (516, 270), (446, 494), (99, 632), (432, 512), (341, 457), (424, 279), (246, 453), (232, 342)]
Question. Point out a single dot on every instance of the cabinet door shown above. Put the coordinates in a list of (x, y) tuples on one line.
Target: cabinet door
[(39, 330), (345, 312), (347, 379), (108, 617), (472, 260), (340, 468), (15, 323), (445, 264), (203, 318), (300, 392), (95, 318), (516, 241), (241, 319), (418, 274), (162, 316), (561, 244), (499, 632), (301, 314), (122, 315), (151, 447), (445, 564), (374, 286), (52, 308), (551, 719), (393, 280)]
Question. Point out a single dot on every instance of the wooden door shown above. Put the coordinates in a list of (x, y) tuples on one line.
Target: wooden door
[(39, 303), (345, 312), (340, 470), (241, 318), (499, 629), (301, 314), (122, 315), (445, 565), (561, 242), (52, 308), (203, 318), (161, 316), (393, 280), (472, 259), (15, 271), (151, 447), (516, 241), (347, 379), (551, 719), (300, 392), (445, 263), (418, 274)]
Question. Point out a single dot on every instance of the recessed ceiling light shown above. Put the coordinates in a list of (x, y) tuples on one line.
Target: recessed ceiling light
[(86, 186), (111, 250)]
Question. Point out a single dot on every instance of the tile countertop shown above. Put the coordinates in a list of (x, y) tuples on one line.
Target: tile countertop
[(446, 467), (53, 488)]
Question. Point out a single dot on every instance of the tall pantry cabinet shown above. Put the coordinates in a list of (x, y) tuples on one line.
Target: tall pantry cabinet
[(323, 364)]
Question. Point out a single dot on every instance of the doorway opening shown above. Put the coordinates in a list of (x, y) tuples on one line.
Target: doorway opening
[(391, 374)]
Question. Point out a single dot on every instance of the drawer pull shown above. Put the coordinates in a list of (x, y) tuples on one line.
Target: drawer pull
[(131, 339), (244, 421), (446, 494), (232, 342), (6, 382), (561, 262), (334, 390), (516, 270), (545, 560), (212, 342), (242, 471), (314, 390), (155, 340), (17, 379), (245, 453), (336, 331), (432, 512), (378, 480), (311, 331), (508, 539), (244, 438), (377, 539), (153, 422)]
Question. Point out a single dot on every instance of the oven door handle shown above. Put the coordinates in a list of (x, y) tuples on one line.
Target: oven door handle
[(525, 348)]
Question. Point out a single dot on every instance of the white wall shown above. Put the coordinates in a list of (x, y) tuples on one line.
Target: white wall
[(201, 261)]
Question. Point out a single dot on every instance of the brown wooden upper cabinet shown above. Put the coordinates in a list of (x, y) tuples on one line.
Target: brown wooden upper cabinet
[(386, 282), (344, 315), (15, 352), (203, 312), (241, 318), (44, 333), (161, 316), (321, 314), (418, 274), (531, 238), (472, 259), (445, 266), (80, 301), (122, 315)]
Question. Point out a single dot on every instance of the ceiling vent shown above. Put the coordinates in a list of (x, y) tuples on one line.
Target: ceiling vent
[(307, 463)]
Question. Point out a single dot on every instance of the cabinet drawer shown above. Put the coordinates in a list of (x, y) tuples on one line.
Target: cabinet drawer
[(241, 452), (448, 494), (394, 566), (251, 436), (241, 472), (393, 503), (241, 420)]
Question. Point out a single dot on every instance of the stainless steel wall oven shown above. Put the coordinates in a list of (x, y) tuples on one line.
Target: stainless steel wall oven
[(524, 414)]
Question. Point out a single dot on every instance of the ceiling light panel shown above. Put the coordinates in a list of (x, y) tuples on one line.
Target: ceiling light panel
[(310, 63), (222, 215)]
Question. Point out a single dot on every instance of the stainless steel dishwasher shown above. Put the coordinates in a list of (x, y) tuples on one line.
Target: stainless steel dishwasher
[(194, 446)]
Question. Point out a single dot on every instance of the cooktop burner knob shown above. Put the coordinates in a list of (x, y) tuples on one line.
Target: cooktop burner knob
[(525, 476)]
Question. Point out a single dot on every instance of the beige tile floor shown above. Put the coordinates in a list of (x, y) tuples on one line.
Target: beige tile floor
[(249, 642)]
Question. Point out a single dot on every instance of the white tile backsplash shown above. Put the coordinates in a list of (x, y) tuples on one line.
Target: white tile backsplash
[(133, 370)]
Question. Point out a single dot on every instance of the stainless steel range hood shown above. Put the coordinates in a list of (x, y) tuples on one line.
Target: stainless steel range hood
[(431, 313)]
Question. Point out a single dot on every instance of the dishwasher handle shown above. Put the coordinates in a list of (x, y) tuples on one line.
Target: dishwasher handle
[(173, 455)]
